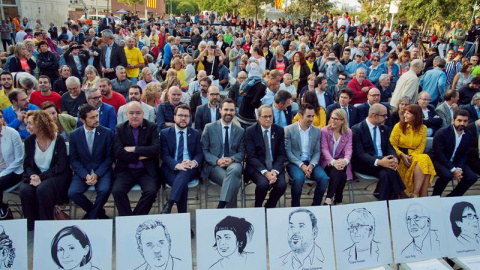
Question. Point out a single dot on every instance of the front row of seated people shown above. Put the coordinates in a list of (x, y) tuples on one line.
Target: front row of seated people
[(302, 151)]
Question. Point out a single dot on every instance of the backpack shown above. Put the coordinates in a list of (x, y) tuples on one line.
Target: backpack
[(249, 83)]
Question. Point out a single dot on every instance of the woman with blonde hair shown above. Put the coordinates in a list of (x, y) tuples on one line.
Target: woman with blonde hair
[(146, 78), (178, 66), (22, 60), (91, 77), (151, 94)]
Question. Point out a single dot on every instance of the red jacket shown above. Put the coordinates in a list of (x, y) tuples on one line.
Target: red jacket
[(358, 95)]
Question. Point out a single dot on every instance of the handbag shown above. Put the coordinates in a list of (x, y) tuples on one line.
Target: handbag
[(5, 212), (59, 214)]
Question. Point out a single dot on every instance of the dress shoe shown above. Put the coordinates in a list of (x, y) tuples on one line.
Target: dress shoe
[(102, 214), (167, 208)]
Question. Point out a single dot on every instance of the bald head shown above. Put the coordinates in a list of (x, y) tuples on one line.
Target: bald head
[(374, 96), (213, 95), (174, 95)]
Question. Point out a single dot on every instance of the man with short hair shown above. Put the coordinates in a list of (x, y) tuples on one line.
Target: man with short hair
[(373, 97), (449, 156), (352, 67), (447, 109), (182, 156), (407, 85), (135, 94), (60, 85), (113, 55), (74, 98), (430, 117), (165, 111), (234, 90), (433, 81), (467, 92), (473, 108), (361, 227), (106, 113), (282, 111), (6, 80), (121, 84), (200, 97), (135, 60), (136, 150), (44, 93), (209, 112), (419, 225), (360, 86), (385, 89), (91, 159), (109, 96), (345, 96), (194, 86), (224, 151), (15, 114)]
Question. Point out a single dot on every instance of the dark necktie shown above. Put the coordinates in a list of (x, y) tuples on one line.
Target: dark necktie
[(180, 148), (226, 144), (268, 157)]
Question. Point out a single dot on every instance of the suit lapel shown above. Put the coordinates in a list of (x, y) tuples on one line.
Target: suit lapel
[(219, 133), (83, 141)]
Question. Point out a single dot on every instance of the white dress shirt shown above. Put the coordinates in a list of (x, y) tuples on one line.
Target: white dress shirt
[(379, 139), (229, 133), (304, 143), (458, 140)]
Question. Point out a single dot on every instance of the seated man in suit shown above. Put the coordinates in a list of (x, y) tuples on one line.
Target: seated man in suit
[(224, 151), (473, 159), (91, 159), (344, 99), (282, 111), (447, 109), (430, 117), (303, 156), (449, 156), (209, 112), (136, 150), (182, 155), (373, 97), (200, 97), (106, 113), (135, 94), (473, 108), (374, 155), (165, 111), (265, 148)]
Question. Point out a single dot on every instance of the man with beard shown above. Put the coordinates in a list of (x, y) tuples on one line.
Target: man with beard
[(449, 157), (6, 80), (92, 167), (361, 225), (209, 112), (224, 150), (165, 111), (44, 93), (109, 96), (15, 115), (419, 225), (302, 232), (135, 94), (182, 156), (106, 113), (200, 97)]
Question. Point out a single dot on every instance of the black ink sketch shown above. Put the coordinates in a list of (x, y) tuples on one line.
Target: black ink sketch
[(7, 252), (71, 249), (419, 225), (302, 233), (465, 227), (232, 235), (361, 226), (154, 244)]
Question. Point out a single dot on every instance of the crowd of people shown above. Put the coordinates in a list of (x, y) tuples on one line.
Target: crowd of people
[(279, 103)]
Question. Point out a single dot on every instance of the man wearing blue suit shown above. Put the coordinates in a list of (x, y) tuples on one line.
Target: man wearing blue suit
[(91, 159), (282, 111), (209, 112), (346, 95), (106, 113), (182, 155)]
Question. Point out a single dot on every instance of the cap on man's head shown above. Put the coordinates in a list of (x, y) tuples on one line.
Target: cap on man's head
[(359, 53)]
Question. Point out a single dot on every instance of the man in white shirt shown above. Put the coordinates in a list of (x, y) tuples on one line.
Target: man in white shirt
[(135, 94)]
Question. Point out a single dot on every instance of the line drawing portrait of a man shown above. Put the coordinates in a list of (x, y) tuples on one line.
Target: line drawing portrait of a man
[(419, 225)]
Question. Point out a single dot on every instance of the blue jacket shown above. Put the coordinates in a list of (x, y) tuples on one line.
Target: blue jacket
[(433, 82), (107, 117), (395, 71), (373, 75), (11, 118)]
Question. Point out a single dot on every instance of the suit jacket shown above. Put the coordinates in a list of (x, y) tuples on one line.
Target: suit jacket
[(256, 152), (293, 146), (148, 146), (203, 116), (212, 144), (344, 149), (288, 115), (106, 117), (443, 111), (12, 151), (473, 151), (431, 122), (100, 161), (195, 102), (444, 145), (363, 149), (362, 112), (117, 56), (353, 118), (473, 116), (169, 146)]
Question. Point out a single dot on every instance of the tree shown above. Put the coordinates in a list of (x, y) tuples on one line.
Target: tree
[(378, 7), (315, 5), (251, 7), (131, 3)]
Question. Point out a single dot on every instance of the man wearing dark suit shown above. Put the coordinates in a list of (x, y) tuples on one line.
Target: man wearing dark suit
[(91, 159), (224, 151), (106, 113), (182, 155), (449, 156), (346, 96), (106, 22), (136, 149), (325, 99), (112, 55), (473, 159), (447, 109), (373, 97), (374, 155), (430, 117), (208, 113), (473, 108), (282, 111), (265, 148), (200, 98)]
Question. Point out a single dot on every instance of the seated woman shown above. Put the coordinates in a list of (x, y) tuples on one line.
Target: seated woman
[(47, 173), (65, 123), (337, 151), (11, 157), (320, 118), (178, 66), (408, 138), (398, 115), (310, 85), (91, 77), (146, 78), (151, 94)]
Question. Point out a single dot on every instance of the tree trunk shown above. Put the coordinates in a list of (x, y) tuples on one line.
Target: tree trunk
[(256, 18)]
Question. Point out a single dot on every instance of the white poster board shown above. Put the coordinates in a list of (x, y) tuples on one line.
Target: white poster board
[(69, 244), (13, 244), (462, 225), (148, 242), (417, 228), (300, 237), (231, 239), (362, 235)]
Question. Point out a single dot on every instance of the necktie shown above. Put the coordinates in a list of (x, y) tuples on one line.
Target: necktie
[(348, 116), (268, 157), (180, 148), (226, 144), (375, 140), (90, 140)]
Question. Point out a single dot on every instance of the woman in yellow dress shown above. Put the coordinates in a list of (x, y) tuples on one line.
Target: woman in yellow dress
[(320, 118), (408, 138)]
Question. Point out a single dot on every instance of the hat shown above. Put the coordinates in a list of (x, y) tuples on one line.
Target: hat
[(433, 38), (372, 32), (342, 27), (359, 30), (387, 33), (318, 28), (331, 26), (88, 39), (359, 53)]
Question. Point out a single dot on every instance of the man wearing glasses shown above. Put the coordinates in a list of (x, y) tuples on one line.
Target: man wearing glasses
[(74, 98), (106, 113), (209, 112), (373, 97), (361, 226), (424, 238)]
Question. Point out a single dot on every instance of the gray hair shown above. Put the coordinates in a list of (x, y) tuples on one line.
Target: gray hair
[(90, 68), (375, 108), (417, 63), (119, 68), (73, 80), (404, 98), (475, 98), (108, 33), (382, 77), (89, 91), (261, 108), (238, 41)]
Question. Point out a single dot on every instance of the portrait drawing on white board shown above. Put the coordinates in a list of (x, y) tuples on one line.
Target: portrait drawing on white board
[(465, 225), (304, 252), (232, 235), (154, 244), (7, 251), (71, 249), (419, 225), (361, 227)]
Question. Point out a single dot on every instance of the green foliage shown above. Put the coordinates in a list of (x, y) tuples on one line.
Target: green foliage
[(378, 8), (131, 3)]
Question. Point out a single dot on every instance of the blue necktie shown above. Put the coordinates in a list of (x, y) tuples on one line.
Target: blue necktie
[(375, 140), (180, 148), (348, 116)]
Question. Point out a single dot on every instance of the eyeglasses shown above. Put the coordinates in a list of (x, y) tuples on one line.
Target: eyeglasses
[(267, 116), (470, 216), (374, 60), (415, 218), (352, 228), (383, 115), (96, 98), (343, 79)]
